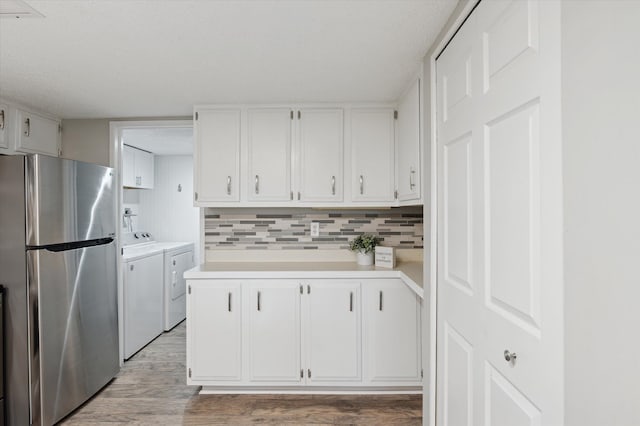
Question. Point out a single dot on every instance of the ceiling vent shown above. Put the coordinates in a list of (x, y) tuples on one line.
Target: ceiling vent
[(17, 9)]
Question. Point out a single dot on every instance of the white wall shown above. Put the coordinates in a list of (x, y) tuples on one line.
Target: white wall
[(166, 212), (601, 124)]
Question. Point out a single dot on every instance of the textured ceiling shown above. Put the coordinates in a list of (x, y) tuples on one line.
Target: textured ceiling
[(143, 58)]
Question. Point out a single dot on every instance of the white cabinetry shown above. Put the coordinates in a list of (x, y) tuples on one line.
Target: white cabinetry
[(331, 332), (4, 120), (36, 133), (143, 296), (273, 330), (217, 155), (391, 328), (275, 333), (269, 133), (320, 155), (372, 155), (214, 332), (408, 145), (137, 168)]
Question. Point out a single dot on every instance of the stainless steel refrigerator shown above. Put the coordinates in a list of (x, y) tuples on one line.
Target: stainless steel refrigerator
[(58, 266)]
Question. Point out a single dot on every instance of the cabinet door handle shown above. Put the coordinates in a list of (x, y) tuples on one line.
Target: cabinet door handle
[(259, 301), (411, 175), (228, 185), (229, 302), (257, 188), (298, 195), (131, 267), (27, 128), (1, 119), (333, 185), (361, 185), (351, 302), (380, 302)]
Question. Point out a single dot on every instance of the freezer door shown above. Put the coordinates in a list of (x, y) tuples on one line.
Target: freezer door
[(68, 200), (74, 334)]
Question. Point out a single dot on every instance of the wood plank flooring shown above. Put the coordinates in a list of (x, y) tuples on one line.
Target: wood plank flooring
[(151, 389)]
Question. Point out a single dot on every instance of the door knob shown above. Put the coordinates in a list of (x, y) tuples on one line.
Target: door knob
[(509, 356)]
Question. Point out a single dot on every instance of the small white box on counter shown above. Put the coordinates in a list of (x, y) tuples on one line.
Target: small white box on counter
[(385, 257)]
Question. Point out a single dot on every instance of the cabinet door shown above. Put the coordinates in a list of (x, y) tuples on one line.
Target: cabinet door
[(391, 328), (217, 155), (408, 145), (269, 154), (274, 332), (4, 121), (143, 296), (331, 332), (37, 134), (320, 157), (144, 169), (128, 166), (372, 155), (214, 331)]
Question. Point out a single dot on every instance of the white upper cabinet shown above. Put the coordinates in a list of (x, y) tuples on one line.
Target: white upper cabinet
[(4, 120), (137, 168), (36, 133), (269, 154), (372, 155), (408, 145), (217, 151), (128, 167), (320, 155)]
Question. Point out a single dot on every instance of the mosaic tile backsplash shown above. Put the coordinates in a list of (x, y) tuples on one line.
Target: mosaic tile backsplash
[(289, 229)]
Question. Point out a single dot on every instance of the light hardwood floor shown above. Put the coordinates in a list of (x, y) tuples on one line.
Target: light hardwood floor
[(151, 389)]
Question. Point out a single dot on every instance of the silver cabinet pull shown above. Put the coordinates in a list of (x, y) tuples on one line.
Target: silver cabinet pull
[(27, 128), (257, 184), (174, 263), (228, 185), (380, 302), (301, 370), (411, 177), (298, 195), (333, 185), (229, 302), (1, 119), (351, 302), (291, 195), (131, 267), (361, 185), (308, 289), (308, 372), (259, 301), (509, 356)]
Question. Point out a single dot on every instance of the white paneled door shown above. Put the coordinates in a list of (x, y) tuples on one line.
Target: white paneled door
[(500, 340)]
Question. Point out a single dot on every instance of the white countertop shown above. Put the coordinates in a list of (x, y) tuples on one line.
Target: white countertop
[(409, 272)]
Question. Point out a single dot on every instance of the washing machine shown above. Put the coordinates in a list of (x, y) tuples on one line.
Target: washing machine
[(178, 258)]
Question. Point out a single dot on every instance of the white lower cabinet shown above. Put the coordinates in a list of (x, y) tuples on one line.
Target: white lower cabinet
[(214, 331), (291, 334), (331, 333), (392, 352), (273, 330)]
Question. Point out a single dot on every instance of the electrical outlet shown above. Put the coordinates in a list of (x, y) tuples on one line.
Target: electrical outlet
[(315, 229)]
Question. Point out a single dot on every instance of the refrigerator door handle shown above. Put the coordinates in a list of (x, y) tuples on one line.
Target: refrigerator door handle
[(73, 245)]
